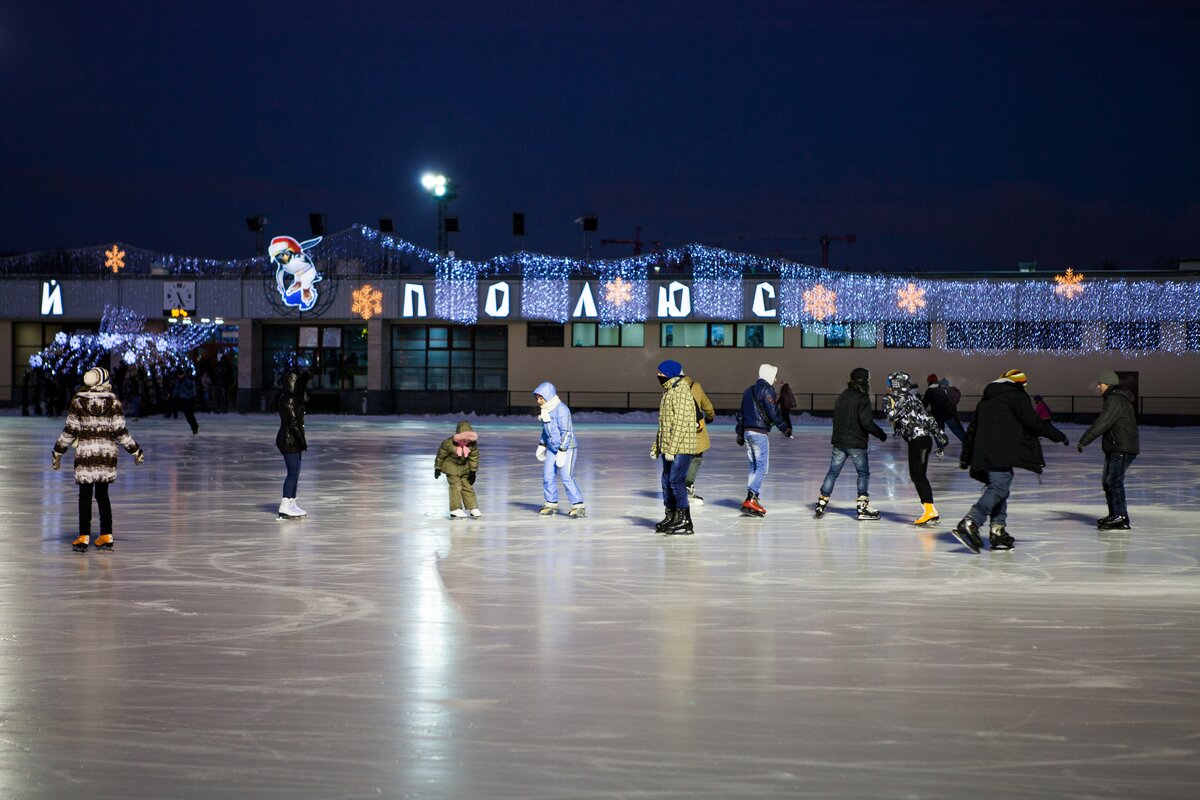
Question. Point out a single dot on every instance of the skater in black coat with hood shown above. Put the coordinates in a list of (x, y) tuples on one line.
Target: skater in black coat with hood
[(1117, 423), (1003, 436), (291, 440)]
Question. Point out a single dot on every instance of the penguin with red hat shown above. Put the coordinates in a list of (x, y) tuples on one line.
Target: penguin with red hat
[(295, 272)]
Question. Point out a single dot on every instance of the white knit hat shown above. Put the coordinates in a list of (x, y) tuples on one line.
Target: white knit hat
[(96, 377)]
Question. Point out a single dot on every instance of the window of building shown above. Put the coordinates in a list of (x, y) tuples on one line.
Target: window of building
[(545, 334), (1050, 335), (840, 334), (981, 335), (719, 334), (910, 334), (445, 357), (1132, 335), (758, 335), (30, 338), (334, 355), (591, 334)]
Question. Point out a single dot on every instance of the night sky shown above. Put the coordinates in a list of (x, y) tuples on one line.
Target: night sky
[(957, 135)]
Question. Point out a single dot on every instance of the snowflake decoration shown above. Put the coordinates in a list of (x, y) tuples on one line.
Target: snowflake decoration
[(910, 298), (618, 292), (820, 303), (1070, 285), (368, 301), (114, 259)]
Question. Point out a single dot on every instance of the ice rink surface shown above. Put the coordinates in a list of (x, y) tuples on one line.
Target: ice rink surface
[(378, 649)]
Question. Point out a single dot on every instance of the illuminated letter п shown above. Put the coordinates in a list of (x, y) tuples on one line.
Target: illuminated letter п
[(585, 307), (414, 300)]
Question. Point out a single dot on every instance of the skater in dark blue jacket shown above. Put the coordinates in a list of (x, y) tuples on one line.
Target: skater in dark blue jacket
[(758, 414)]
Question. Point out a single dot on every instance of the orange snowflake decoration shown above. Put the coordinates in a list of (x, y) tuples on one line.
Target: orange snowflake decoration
[(910, 298), (368, 301), (1070, 285), (618, 292), (820, 302), (114, 259)]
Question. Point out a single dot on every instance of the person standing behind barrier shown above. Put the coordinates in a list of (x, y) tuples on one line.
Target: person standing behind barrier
[(759, 411), (1117, 423), (557, 442), (705, 414), (1003, 435), (853, 421), (675, 443), (291, 440)]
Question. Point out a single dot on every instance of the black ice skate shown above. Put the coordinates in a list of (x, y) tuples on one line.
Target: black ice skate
[(864, 508), (1117, 523), (822, 504), (1104, 522), (683, 523), (667, 521), (999, 538), (967, 533)]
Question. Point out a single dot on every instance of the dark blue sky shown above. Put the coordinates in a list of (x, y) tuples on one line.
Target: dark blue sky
[(945, 135)]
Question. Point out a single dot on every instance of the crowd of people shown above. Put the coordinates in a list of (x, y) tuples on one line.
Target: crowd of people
[(1004, 435)]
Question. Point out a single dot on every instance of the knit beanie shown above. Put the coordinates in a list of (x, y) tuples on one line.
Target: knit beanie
[(931, 379), (1016, 376), (95, 377), (768, 372), (1109, 378), (672, 369)]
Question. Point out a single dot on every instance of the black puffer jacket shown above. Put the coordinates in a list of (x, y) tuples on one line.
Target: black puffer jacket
[(853, 420), (938, 403), (290, 438), (1117, 423), (1005, 431)]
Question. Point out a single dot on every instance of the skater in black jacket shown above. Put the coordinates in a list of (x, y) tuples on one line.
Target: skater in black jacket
[(291, 440), (1117, 423), (853, 421), (1003, 435)]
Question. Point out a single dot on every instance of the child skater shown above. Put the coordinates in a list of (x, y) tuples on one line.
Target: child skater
[(921, 431), (458, 458), (558, 437), (95, 425)]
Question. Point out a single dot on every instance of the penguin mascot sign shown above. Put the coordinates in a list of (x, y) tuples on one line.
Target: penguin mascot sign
[(295, 273)]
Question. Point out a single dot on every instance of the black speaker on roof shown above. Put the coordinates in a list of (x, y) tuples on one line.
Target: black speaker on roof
[(316, 222), (518, 223)]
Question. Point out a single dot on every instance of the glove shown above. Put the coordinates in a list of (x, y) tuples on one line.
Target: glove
[(668, 457), (57, 460), (437, 473), (471, 478), (1078, 447), (560, 460), (741, 442), (540, 453), (139, 456), (881, 436), (1066, 442)]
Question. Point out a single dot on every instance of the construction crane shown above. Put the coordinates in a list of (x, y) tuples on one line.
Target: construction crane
[(825, 239), (636, 241)]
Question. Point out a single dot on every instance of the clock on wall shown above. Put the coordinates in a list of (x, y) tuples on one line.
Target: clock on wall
[(179, 295)]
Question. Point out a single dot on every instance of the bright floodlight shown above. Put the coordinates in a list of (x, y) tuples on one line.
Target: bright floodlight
[(429, 180), (439, 190)]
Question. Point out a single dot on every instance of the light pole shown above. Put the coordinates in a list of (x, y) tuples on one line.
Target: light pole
[(443, 190)]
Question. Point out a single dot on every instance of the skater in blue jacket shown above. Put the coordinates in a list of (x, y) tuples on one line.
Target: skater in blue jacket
[(557, 450)]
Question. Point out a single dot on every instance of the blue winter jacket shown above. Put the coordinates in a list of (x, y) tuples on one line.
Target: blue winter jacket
[(557, 431), (760, 410)]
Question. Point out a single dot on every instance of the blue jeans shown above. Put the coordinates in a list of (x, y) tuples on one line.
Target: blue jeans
[(1115, 465), (956, 428), (993, 503), (292, 461), (857, 455), (551, 473), (758, 450), (674, 483)]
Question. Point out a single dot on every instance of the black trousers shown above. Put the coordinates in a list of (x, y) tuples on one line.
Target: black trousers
[(85, 508), (918, 463)]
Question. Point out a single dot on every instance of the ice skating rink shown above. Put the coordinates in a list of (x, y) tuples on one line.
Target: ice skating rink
[(378, 649)]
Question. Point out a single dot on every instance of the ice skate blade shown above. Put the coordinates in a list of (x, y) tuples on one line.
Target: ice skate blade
[(964, 540), (927, 523), (79, 548), (754, 514), (679, 533)]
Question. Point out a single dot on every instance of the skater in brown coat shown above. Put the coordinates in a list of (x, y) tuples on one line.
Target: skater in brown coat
[(458, 459), (95, 425)]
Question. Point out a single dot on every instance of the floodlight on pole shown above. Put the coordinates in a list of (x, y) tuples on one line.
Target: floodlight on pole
[(441, 189)]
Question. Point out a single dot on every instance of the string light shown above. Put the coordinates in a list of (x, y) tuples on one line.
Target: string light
[(114, 259), (546, 287), (716, 283), (1070, 285), (366, 301)]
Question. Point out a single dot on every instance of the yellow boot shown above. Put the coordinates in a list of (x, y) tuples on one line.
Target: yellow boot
[(81, 542), (104, 542), (929, 517)]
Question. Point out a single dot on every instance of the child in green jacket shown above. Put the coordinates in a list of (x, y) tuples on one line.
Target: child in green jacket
[(458, 458)]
